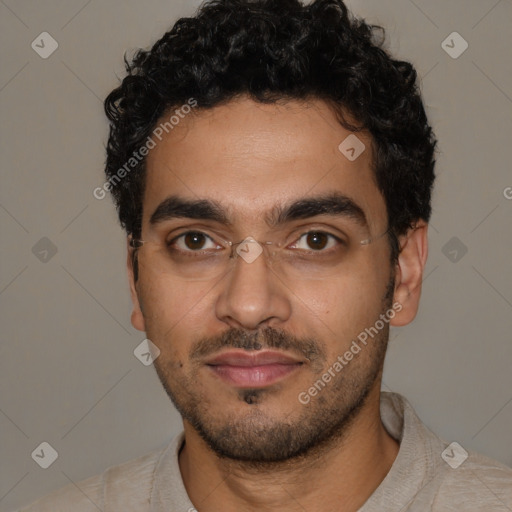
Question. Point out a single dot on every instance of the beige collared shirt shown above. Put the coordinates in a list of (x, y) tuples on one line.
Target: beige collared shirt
[(422, 478)]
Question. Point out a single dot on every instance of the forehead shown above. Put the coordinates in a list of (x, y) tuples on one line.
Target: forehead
[(249, 156)]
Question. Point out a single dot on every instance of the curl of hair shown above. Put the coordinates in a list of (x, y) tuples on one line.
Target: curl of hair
[(272, 50)]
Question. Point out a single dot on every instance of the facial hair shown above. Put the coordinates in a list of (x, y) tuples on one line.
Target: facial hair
[(257, 439)]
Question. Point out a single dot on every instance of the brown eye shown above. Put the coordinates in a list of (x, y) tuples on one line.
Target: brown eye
[(191, 241), (317, 241), (194, 241)]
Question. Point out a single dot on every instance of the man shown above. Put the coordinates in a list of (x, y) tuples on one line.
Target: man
[(272, 167)]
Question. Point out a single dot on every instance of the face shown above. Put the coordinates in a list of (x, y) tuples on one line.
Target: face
[(244, 340)]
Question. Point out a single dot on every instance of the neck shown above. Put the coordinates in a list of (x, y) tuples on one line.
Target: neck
[(340, 476)]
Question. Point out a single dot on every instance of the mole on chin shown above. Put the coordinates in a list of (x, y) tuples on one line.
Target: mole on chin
[(250, 397)]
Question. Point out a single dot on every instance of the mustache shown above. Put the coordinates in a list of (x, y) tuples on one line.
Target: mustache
[(266, 338)]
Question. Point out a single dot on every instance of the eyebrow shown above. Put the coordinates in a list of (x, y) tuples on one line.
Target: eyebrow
[(334, 204), (177, 207)]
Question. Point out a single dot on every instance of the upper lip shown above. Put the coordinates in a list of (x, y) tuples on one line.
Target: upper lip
[(244, 358)]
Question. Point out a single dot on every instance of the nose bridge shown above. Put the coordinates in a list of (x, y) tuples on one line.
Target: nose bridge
[(250, 250), (251, 293)]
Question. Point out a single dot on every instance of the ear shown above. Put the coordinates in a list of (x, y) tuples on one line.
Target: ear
[(137, 317), (409, 273)]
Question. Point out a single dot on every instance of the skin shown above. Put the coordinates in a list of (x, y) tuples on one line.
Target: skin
[(249, 158)]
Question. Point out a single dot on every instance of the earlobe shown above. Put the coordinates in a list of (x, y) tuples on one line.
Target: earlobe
[(409, 273), (137, 316)]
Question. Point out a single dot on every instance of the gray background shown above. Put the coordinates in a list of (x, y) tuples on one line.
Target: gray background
[(68, 373)]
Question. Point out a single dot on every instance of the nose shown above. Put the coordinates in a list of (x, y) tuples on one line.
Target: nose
[(252, 295)]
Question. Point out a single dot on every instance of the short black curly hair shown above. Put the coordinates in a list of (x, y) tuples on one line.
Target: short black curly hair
[(272, 50)]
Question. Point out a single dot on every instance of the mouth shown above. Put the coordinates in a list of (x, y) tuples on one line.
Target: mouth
[(253, 370)]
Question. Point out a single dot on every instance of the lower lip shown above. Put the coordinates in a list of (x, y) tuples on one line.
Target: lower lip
[(253, 376)]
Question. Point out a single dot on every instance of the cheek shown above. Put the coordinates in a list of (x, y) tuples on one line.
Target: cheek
[(342, 305), (173, 308)]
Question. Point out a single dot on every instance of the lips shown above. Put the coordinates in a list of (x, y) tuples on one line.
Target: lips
[(253, 370)]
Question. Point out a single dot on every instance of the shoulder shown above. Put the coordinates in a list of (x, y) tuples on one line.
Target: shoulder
[(439, 475), (126, 485), (478, 483)]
